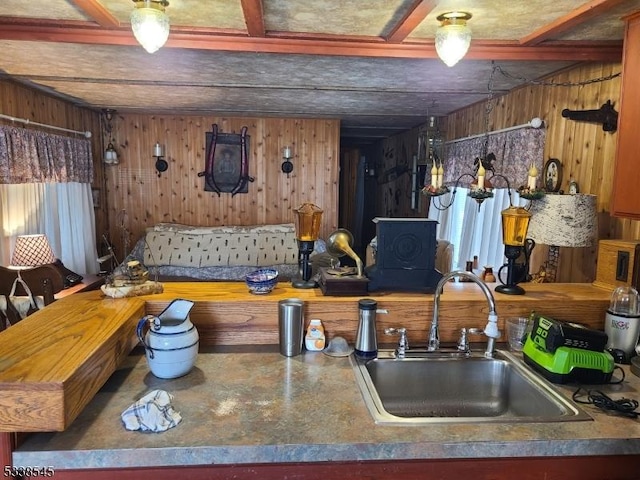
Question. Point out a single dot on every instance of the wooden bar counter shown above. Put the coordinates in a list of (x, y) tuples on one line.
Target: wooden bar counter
[(249, 411), (53, 362)]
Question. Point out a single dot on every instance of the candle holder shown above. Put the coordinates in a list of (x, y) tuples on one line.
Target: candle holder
[(515, 222), (431, 191), (308, 218)]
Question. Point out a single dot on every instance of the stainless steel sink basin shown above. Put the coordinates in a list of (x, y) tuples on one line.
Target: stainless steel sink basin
[(474, 389)]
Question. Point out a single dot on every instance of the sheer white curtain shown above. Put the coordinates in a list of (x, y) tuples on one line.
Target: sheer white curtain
[(62, 211), (472, 230)]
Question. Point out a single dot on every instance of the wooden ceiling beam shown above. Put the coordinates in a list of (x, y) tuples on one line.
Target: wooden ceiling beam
[(414, 16), (580, 15), (95, 10), (201, 39), (254, 17)]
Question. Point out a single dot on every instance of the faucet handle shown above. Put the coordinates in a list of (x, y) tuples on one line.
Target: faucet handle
[(475, 331), (403, 343)]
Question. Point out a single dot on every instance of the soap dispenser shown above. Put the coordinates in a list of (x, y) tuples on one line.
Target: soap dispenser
[(366, 342)]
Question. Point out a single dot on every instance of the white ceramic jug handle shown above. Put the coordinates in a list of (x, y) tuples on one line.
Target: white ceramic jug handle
[(140, 332)]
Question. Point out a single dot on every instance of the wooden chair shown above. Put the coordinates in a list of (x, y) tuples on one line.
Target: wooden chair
[(44, 281)]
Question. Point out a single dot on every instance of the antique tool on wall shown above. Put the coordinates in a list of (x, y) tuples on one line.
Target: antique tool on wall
[(606, 115), (345, 280), (564, 352)]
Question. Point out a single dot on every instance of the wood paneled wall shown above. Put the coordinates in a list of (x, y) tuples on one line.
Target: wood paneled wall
[(138, 198), (393, 158)]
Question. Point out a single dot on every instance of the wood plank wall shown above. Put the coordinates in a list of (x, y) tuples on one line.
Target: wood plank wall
[(585, 150), (138, 198)]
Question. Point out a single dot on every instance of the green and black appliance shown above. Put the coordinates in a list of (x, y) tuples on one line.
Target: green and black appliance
[(565, 352)]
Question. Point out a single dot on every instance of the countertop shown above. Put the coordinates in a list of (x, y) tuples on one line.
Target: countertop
[(249, 404)]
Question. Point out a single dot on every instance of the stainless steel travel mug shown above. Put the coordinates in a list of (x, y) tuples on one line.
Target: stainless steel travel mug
[(291, 326), (366, 341)]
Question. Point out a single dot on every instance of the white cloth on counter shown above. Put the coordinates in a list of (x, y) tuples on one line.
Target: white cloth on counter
[(152, 413)]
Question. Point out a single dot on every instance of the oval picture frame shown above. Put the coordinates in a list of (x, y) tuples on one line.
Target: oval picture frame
[(552, 175)]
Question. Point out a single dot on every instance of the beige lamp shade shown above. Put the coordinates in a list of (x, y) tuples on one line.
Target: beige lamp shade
[(32, 251), (564, 220)]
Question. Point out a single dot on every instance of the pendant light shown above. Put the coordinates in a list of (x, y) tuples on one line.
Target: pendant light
[(150, 23), (110, 154)]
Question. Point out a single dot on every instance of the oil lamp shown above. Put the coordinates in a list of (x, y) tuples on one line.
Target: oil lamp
[(515, 222), (308, 218)]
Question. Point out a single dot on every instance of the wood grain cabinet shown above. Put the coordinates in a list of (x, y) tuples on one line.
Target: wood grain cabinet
[(625, 197)]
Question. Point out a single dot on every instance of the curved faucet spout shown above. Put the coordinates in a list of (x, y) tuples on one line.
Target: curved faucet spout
[(491, 329)]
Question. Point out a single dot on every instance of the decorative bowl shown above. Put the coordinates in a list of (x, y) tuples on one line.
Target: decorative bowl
[(262, 281)]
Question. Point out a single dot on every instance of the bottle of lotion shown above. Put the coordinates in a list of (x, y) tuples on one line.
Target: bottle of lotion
[(314, 340)]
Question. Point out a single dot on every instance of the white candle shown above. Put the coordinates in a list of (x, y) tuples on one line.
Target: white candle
[(481, 173), (286, 152), (157, 150), (531, 179), (440, 175), (434, 175)]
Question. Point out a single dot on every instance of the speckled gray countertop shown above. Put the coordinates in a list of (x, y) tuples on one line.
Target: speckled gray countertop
[(251, 405)]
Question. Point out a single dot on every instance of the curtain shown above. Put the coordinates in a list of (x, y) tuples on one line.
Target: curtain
[(515, 152), (31, 156), (45, 187), (62, 211), (477, 230)]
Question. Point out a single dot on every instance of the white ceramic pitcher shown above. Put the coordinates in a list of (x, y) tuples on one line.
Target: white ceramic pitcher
[(171, 342)]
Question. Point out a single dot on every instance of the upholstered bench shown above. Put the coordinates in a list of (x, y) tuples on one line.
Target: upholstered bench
[(218, 253)]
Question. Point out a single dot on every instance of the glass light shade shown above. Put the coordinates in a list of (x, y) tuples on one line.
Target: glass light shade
[(308, 218), (110, 155), (150, 24), (515, 222), (32, 251), (453, 38)]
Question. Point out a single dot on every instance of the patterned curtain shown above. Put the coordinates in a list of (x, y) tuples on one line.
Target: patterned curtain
[(515, 151), (32, 156)]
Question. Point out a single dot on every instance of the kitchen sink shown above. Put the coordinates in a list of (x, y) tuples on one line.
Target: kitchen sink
[(437, 388)]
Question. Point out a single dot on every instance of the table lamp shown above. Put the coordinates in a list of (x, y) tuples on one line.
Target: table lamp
[(515, 221), (32, 251), (308, 218), (563, 221)]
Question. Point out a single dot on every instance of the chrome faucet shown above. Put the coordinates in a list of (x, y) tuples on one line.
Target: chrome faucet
[(490, 330)]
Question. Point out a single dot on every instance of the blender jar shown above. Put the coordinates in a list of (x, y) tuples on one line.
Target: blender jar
[(622, 323)]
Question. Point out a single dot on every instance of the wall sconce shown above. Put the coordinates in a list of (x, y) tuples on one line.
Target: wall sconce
[(150, 23), (453, 37), (110, 154), (161, 163), (287, 166)]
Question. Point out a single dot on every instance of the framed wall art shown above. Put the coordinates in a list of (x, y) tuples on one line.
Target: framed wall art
[(552, 175), (226, 162)]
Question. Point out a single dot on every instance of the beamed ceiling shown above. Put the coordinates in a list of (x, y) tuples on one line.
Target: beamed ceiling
[(370, 63)]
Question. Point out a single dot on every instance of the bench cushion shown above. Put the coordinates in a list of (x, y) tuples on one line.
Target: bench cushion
[(187, 246)]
